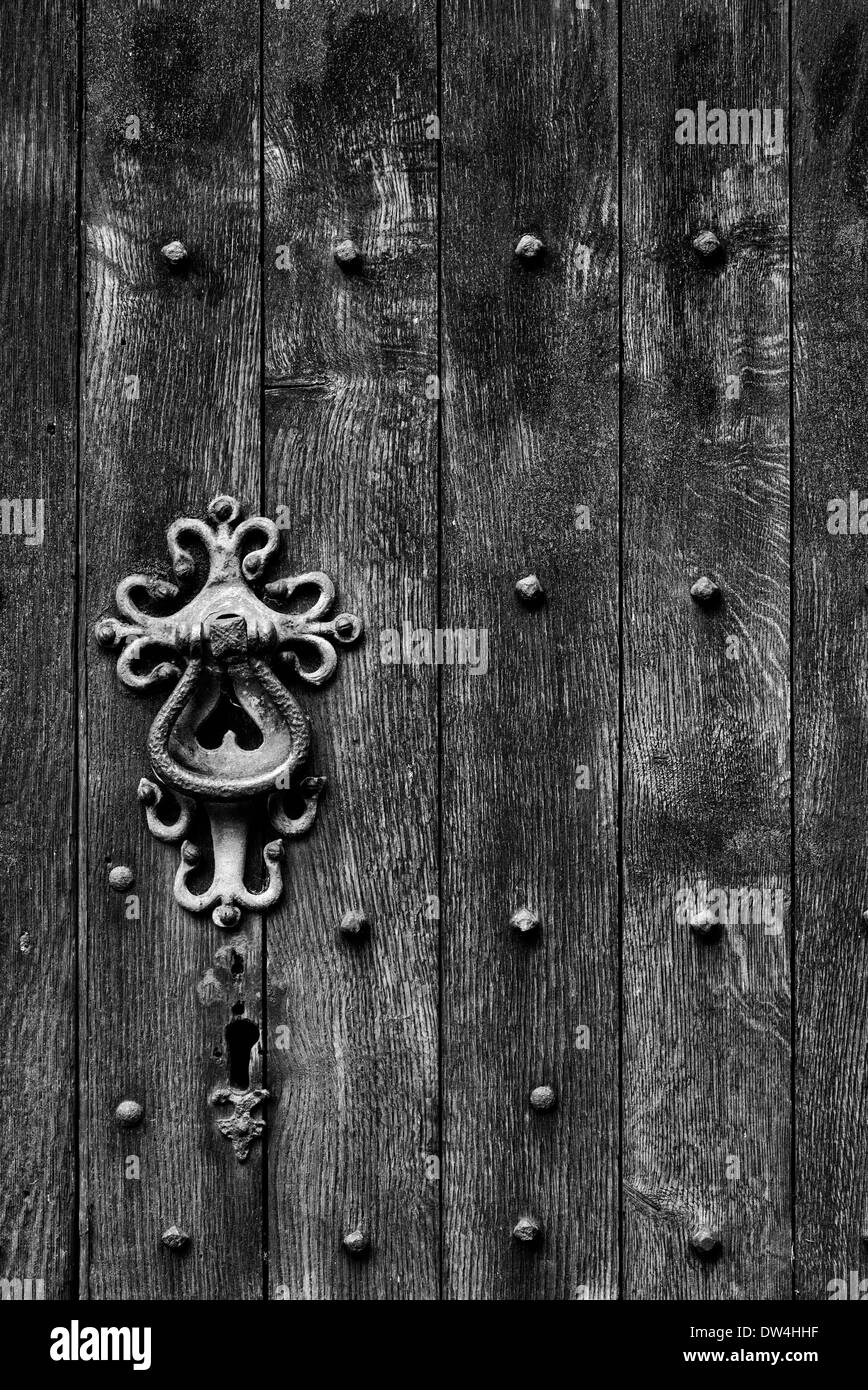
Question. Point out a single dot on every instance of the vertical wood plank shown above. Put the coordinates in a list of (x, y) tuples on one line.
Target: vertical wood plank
[(352, 466), (530, 745), (830, 307), (707, 1084), (38, 318), (171, 407)]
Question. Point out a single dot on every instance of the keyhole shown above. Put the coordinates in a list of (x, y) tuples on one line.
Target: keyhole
[(242, 1035)]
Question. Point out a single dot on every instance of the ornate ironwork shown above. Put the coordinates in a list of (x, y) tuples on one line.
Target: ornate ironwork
[(231, 734), (240, 1126)]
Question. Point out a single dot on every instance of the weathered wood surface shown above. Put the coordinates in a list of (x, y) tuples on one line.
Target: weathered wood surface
[(171, 413), (707, 1085), (156, 994), (530, 436), (351, 456), (38, 320), (830, 311)]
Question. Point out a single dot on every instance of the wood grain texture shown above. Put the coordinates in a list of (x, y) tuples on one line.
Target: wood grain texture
[(706, 792), (530, 435), (152, 1017), (170, 413), (352, 458), (830, 306), (38, 318)]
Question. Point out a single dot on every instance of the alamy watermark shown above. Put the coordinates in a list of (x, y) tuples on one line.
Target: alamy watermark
[(22, 1290), (439, 646), (731, 906), (847, 516), (715, 125), (77, 1343), (23, 516), (850, 1288)]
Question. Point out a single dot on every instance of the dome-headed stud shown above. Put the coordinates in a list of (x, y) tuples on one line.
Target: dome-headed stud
[(524, 922), (705, 592), (526, 1230), (226, 915), (529, 247), (121, 878), (175, 1239), (347, 628), (704, 1241), (704, 923), (174, 253), (129, 1114), (354, 925), (347, 255), (357, 1242), (147, 793), (543, 1098), (706, 244), (529, 590)]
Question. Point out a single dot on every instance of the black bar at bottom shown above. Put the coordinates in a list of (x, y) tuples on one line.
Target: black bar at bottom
[(299, 1342)]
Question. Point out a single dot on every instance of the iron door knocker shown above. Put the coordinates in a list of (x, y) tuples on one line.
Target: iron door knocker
[(230, 736)]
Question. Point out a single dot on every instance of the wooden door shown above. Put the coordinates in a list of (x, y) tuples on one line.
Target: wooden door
[(561, 996)]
